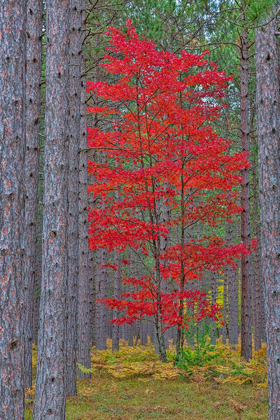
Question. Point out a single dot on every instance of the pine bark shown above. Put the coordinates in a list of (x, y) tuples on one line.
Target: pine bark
[(258, 282), (268, 126), (117, 292), (75, 54), (246, 321), (50, 380), (225, 311), (101, 293), (12, 148), (84, 313), (232, 298), (33, 110)]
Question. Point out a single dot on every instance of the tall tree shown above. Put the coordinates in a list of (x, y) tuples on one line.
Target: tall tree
[(246, 266), (33, 109), (74, 125), (84, 312), (268, 127), (50, 381), (12, 148)]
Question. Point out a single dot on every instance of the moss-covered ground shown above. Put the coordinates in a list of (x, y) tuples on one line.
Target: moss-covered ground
[(133, 384)]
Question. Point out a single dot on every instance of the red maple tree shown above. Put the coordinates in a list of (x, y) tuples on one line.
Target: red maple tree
[(166, 170)]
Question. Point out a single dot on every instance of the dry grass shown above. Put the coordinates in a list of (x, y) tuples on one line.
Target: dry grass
[(133, 384)]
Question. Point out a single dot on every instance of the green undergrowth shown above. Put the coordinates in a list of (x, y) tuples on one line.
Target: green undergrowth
[(134, 384)]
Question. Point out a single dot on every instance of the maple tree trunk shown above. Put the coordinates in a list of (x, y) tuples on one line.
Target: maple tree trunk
[(75, 53), (33, 109), (84, 313), (12, 253), (50, 379), (268, 126), (246, 321), (132, 273), (164, 244)]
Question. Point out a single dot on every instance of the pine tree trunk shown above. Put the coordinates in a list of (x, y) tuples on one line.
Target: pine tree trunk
[(225, 295), (50, 390), (258, 283), (74, 126), (101, 286), (214, 295), (246, 322), (84, 313), (117, 291), (12, 148), (232, 298), (33, 108), (268, 124)]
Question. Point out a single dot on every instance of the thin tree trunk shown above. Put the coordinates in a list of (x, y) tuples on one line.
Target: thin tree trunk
[(232, 298), (258, 283), (214, 295), (246, 322), (117, 290), (225, 295), (268, 112), (101, 286), (12, 148), (33, 109), (50, 390)]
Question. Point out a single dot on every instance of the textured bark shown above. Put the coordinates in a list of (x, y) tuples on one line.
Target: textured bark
[(101, 289), (144, 333), (214, 295), (268, 112), (258, 282), (246, 321), (75, 50), (117, 291), (232, 298), (33, 110), (36, 297), (132, 268), (92, 294), (225, 295), (12, 147), (84, 314), (50, 380), (164, 244)]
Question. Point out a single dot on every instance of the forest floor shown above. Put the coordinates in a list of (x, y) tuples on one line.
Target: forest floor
[(134, 384)]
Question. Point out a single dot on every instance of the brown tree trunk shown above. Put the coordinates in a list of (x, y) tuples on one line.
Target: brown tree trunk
[(33, 109), (84, 313), (50, 380), (268, 125), (75, 53), (246, 322), (232, 298), (101, 293), (12, 148), (258, 282), (117, 291), (214, 296)]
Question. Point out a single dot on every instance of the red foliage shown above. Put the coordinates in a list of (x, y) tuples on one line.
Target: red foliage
[(161, 151)]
